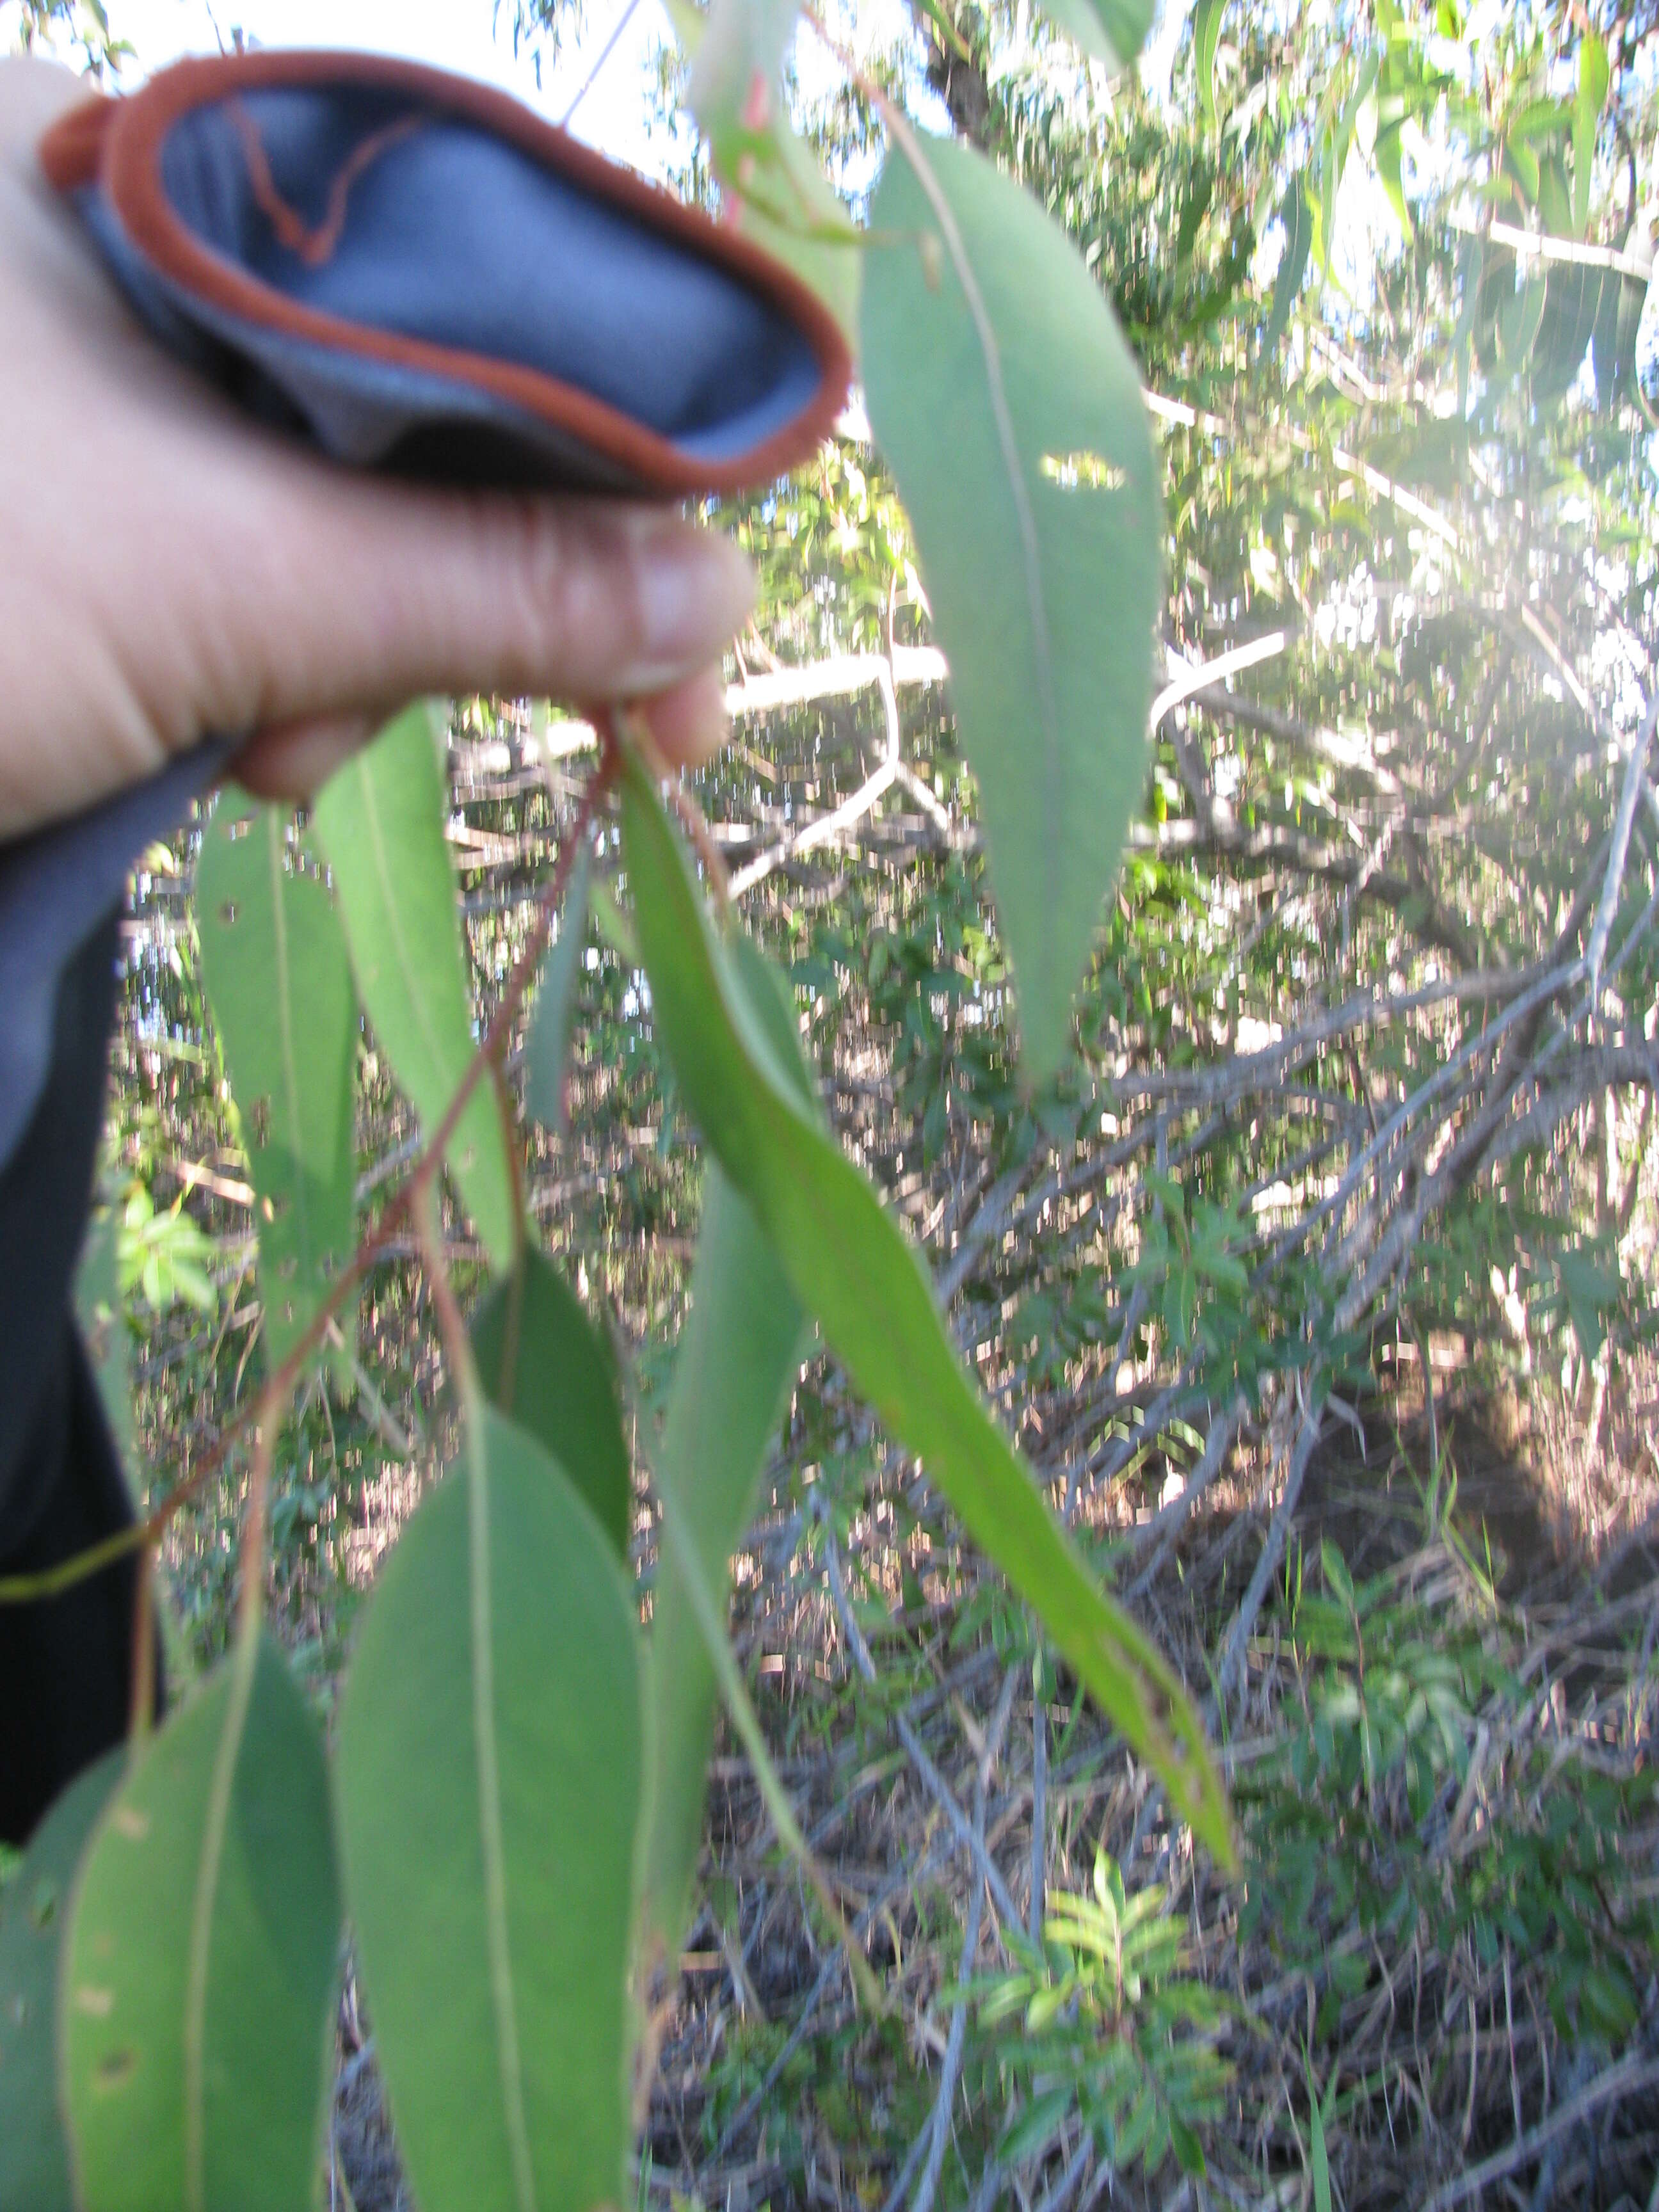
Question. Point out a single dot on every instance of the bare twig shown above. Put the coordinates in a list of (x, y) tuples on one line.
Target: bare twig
[(1232, 1658), (1630, 2077), (23, 1589), (938, 2126), (937, 1786), (1169, 1518), (1613, 879)]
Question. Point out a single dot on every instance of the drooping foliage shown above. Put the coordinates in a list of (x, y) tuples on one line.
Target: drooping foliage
[(1100, 1099)]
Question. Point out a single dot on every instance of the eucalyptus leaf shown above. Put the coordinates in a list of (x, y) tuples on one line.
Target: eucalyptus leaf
[(612, 924), (1618, 322), (201, 1957), (1111, 31), (1296, 211), (546, 1366), (778, 196), (1004, 396), (380, 820), (488, 1776), (1590, 97), (101, 1316), (1386, 158), (705, 1614), (737, 1354), (34, 1914), (278, 981), (1519, 325), (850, 1265), (547, 1041), (1590, 1286), (1206, 34), (1555, 196)]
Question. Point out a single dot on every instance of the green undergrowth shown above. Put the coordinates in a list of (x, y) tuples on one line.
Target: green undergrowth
[(1423, 1791)]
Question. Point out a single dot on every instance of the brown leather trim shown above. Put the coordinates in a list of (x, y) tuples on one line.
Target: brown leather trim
[(71, 150), (130, 170)]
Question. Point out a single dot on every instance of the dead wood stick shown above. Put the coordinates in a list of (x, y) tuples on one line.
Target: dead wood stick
[(939, 1789), (1632, 2075), (1238, 1638), (938, 2129)]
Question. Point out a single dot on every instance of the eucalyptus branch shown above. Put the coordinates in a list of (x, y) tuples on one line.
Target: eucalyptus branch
[(395, 1218)]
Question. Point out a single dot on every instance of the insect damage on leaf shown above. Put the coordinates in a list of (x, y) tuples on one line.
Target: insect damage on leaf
[(1089, 471)]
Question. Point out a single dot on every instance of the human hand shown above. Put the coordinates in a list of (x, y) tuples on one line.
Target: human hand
[(169, 568)]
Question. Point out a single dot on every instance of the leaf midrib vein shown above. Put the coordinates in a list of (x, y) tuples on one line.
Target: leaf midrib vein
[(298, 1196), (502, 2001), (1032, 551), (395, 929), (205, 1897)]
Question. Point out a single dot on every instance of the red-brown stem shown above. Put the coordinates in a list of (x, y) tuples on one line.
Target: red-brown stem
[(255, 1521), (394, 1217), (493, 1043), (693, 820), (140, 1712), (451, 1327)]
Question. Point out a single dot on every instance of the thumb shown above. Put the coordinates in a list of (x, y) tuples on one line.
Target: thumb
[(293, 760), (369, 593)]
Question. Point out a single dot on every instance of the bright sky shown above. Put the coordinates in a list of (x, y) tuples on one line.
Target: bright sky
[(461, 36), (453, 34)]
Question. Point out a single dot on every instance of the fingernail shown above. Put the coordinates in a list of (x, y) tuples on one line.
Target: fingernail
[(694, 591)]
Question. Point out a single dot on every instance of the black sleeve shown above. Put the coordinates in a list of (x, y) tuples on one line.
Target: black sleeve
[(64, 1662)]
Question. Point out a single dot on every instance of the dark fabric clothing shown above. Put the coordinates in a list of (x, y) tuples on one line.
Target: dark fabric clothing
[(57, 886), (44, 1191), (64, 1664)]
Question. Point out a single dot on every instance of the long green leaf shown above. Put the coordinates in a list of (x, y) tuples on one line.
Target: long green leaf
[(278, 982), (777, 194), (545, 1365), (737, 1354), (35, 2169), (1518, 325), (1319, 2162), (1573, 305), (1206, 34), (1002, 394), (1295, 210), (488, 1776), (99, 1311), (704, 1612), (1590, 96), (850, 1265), (1112, 31), (202, 1958), (1386, 157), (380, 820), (1618, 323)]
